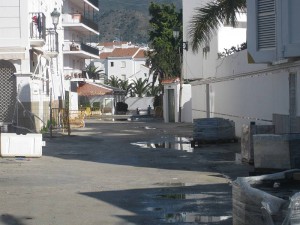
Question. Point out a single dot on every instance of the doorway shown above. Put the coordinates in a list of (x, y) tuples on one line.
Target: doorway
[(171, 105), (8, 92)]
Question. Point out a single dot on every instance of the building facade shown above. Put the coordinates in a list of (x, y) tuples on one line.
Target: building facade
[(28, 64), (35, 57), (80, 30), (234, 87)]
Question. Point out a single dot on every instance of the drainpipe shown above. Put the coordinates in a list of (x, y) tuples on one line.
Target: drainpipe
[(207, 102), (292, 102)]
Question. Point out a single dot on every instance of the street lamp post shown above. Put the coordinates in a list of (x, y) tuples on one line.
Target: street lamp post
[(55, 19), (184, 46)]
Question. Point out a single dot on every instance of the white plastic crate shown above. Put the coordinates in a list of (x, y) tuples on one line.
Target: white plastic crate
[(14, 145)]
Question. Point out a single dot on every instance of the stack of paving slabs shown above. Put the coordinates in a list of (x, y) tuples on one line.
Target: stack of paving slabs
[(272, 199), (213, 130)]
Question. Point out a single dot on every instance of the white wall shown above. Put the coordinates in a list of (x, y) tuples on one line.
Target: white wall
[(197, 65), (136, 102), (117, 70), (253, 97)]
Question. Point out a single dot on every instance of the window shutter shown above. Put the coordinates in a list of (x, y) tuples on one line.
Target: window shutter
[(273, 32), (266, 32), (290, 28), (261, 31)]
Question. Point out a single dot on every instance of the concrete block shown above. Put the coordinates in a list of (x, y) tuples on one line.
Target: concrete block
[(271, 151)]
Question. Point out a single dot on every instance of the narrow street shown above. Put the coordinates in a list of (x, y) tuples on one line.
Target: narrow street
[(117, 173)]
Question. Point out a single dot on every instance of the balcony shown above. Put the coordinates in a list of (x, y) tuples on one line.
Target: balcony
[(75, 75), (80, 23), (37, 29), (52, 43), (81, 50)]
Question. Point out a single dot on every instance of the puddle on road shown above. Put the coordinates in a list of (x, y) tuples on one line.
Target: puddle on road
[(171, 196), (153, 209), (187, 217), (171, 184), (179, 143)]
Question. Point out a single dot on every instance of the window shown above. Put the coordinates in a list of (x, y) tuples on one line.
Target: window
[(123, 64), (112, 64), (123, 76)]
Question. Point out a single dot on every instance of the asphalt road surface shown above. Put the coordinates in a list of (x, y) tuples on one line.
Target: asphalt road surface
[(121, 173)]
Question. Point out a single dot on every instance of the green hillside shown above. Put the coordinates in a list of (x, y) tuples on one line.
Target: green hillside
[(127, 20)]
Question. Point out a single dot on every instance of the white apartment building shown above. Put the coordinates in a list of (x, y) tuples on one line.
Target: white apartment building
[(79, 29), (35, 56), (29, 62)]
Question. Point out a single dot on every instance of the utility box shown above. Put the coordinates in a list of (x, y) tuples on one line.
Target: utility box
[(14, 145)]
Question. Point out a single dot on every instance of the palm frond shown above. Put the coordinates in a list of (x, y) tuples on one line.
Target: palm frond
[(207, 19)]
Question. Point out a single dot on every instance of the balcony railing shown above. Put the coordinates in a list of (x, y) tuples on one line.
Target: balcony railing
[(52, 41), (79, 46), (89, 49), (90, 23), (79, 18), (74, 74), (37, 26)]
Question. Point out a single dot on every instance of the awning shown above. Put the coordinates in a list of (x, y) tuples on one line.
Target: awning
[(91, 89), (12, 53)]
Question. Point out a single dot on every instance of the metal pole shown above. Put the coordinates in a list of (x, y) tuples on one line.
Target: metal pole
[(180, 87), (207, 102), (50, 106)]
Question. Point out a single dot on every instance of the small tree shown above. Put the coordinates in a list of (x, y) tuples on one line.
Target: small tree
[(163, 60)]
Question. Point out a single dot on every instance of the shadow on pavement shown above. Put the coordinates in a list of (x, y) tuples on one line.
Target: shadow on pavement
[(198, 204), (12, 220)]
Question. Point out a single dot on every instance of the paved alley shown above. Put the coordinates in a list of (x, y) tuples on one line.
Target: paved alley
[(117, 173)]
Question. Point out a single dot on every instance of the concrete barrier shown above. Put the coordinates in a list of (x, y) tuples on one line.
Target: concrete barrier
[(14, 145)]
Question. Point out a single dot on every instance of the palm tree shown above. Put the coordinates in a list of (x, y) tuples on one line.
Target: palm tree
[(113, 81), (207, 19), (93, 71), (154, 90), (124, 84), (140, 87)]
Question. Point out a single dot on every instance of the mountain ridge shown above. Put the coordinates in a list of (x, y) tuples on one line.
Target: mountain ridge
[(127, 20)]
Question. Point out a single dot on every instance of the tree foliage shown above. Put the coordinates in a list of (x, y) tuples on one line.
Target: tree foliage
[(140, 87), (113, 81), (93, 71), (207, 19), (164, 58), (124, 85)]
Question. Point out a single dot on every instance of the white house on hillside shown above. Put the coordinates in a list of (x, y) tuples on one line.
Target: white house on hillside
[(124, 61), (233, 88)]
